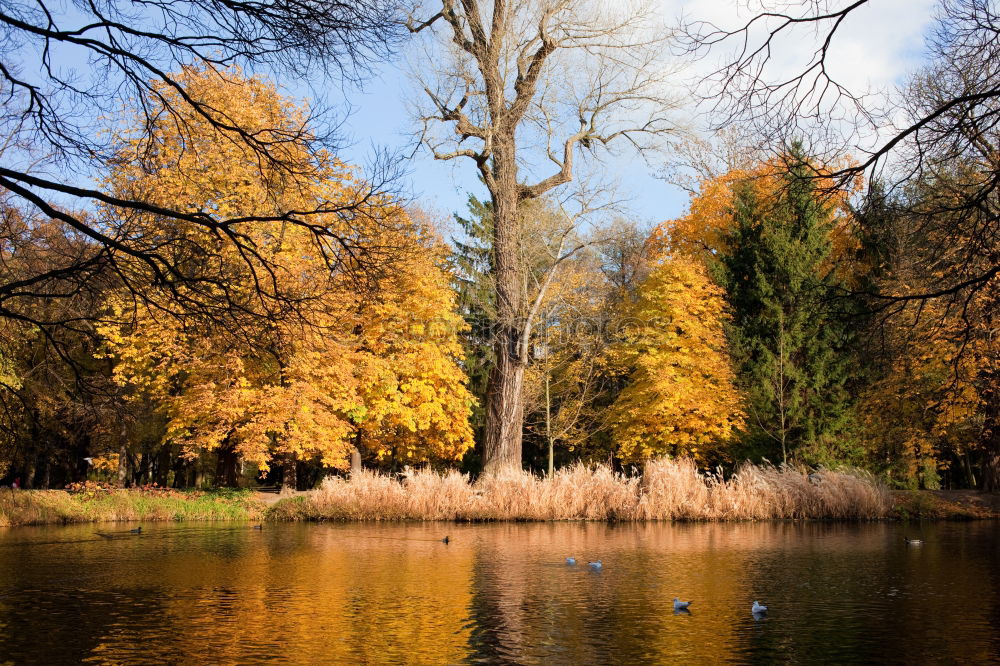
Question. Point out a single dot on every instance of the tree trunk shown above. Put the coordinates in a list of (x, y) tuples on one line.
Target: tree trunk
[(225, 468), (30, 465), (142, 476), (504, 406), (122, 461), (355, 460), (990, 438), (289, 474), (504, 417), (195, 475), (180, 468), (162, 466)]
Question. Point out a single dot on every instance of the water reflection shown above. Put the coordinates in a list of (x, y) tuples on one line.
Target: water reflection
[(499, 593)]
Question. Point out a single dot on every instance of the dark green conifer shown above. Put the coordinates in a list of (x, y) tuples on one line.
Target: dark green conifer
[(791, 348), (472, 259)]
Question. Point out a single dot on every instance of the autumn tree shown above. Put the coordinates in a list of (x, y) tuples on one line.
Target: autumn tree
[(566, 379), (57, 404), (570, 297), (920, 415), (416, 403), (55, 120), (933, 363), (337, 362), (567, 76), (680, 397), (937, 128)]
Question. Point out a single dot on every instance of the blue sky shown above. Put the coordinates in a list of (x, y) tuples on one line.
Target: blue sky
[(876, 47), (380, 117)]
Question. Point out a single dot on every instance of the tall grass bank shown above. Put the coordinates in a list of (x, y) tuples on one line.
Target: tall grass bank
[(41, 507), (667, 490)]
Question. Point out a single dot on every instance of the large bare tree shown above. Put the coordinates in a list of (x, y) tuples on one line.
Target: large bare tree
[(519, 88)]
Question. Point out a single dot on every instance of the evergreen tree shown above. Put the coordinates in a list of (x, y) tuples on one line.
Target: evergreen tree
[(790, 350), (472, 259)]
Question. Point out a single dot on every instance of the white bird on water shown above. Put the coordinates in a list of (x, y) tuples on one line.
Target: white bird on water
[(681, 605), (758, 609), (571, 561), (913, 542), (596, 566)]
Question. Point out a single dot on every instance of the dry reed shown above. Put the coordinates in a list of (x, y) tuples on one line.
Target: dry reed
[(667, 490)]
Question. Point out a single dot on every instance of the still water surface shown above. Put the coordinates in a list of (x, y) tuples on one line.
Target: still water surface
[(393, 593)]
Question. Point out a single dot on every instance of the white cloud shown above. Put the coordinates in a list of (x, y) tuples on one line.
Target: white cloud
[(875, 49)]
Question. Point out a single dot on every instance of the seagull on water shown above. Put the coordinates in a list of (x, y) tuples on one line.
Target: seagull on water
[(681, 605), (758, 609), (596, 566), (913, 542), (571, 561)]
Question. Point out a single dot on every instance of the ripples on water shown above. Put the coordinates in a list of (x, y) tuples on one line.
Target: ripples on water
[(370, 593)]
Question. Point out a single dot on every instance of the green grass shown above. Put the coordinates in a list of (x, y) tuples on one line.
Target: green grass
[(39, 507), (924, 505)]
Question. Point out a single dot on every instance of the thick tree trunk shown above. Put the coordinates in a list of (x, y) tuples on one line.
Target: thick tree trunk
[(355, 460), (289, 474), (225, 468), (990, 438), (504, 405), (504, 416)]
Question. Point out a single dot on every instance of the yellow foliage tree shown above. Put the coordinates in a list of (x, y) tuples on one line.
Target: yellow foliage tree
[(323, 363), (680, 398), (414, 392), (923, 413), (702, 231)]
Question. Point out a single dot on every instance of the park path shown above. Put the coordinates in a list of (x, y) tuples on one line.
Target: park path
[(271, 496)]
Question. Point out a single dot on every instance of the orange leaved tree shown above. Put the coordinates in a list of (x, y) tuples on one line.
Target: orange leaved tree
[(295, 364), (680, 398)]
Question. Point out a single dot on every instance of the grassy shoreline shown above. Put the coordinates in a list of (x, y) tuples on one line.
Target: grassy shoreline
[(47, 507), (668, 490)]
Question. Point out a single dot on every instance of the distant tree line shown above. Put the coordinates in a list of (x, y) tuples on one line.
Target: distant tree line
[(200, 292)]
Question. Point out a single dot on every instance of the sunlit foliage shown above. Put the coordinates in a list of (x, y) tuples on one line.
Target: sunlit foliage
[(337, 361), (680, 399)]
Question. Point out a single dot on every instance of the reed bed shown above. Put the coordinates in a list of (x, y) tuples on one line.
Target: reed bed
[(667, 490)]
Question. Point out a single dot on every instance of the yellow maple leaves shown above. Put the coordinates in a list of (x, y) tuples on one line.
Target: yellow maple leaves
[(304, 360), (681, 398)]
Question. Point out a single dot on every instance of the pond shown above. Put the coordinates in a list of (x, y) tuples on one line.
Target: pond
[(500, 593)]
